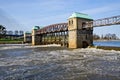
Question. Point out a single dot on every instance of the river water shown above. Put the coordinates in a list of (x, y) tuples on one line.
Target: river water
[(107, 43), (25, 62)]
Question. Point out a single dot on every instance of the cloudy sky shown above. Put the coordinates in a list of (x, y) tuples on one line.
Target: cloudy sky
[(24, 14)]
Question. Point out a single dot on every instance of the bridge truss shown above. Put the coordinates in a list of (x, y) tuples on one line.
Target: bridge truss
[(53, 28), (115, 20), (58, 33), (55, 33)]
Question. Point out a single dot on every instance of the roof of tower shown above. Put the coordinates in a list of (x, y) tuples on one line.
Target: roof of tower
[(36, 27), (80, 15)]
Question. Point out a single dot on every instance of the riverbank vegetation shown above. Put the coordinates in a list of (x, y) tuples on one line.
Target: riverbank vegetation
[(108, 48), (10, 41), (10, 37), (105, 37), (2, 31)]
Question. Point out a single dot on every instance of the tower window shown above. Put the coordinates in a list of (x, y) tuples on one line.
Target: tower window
[(70, 22), (83, 25)]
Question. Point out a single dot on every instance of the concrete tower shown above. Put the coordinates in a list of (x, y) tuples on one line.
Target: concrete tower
[(35, 37), (80, 32), (27, 37)]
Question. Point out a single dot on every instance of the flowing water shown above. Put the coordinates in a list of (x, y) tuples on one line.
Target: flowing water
[(24, 62)]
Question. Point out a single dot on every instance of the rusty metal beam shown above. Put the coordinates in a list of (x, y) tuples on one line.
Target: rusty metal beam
[(53, 28)]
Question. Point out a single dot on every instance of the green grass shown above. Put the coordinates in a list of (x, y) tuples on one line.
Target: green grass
[(109, 48), (10, 41)]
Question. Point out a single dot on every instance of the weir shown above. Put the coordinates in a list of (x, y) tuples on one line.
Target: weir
[(76, 33)]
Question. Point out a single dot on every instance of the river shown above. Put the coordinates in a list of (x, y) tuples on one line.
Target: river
[(25, 62), (107, 43)]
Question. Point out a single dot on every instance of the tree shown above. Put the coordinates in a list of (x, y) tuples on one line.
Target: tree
[(16, 32), (21, 32), (2, 31), (10, 32), (96, 37), (111, 37)]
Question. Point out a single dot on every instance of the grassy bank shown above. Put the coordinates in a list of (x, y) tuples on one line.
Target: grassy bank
[(9, 41), (108, 48)]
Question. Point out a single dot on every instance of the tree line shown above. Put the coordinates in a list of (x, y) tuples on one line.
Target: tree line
[(16, 32), (108, 36), (4, 32)]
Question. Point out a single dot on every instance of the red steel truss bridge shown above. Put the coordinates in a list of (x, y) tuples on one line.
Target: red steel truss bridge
[(115, 20)]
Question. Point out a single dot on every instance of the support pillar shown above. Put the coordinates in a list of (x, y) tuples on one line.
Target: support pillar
[(36, 39), (27, 37)]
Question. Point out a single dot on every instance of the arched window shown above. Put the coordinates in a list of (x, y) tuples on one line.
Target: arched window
[(69, 22), (83, 25)]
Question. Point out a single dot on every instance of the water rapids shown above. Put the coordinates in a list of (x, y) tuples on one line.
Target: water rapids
[(25, 62)]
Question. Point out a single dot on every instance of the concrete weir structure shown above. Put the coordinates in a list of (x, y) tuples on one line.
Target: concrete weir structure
[(80, 33), (27, 37), (35, 38), (77, 33)]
